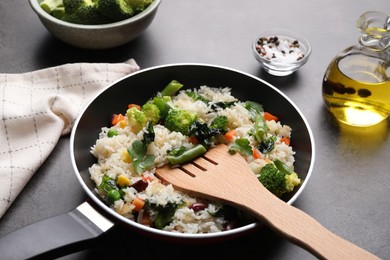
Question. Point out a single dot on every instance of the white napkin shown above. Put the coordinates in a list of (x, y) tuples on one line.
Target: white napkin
[(38, 107)]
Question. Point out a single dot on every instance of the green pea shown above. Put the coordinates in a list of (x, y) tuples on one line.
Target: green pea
[(112, 132), (113, 195)]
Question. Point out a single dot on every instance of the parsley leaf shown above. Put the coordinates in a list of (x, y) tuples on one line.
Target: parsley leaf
[(241, 145), (141, 160)]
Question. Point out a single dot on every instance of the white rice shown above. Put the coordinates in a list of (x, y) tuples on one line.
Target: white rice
[(110, 153)]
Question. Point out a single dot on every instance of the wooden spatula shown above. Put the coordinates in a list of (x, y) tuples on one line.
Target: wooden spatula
[(218, 175)]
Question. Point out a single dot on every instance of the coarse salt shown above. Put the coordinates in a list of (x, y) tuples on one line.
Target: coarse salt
[(279, 49)]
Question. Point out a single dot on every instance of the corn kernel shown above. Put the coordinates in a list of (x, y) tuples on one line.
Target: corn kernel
[(123, 123), (126, 157), (123, 181)]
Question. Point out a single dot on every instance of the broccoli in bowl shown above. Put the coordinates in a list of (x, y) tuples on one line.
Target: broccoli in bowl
[(92, 12)]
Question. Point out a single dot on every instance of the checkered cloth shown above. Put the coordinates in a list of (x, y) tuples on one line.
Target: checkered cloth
[(37, 108)]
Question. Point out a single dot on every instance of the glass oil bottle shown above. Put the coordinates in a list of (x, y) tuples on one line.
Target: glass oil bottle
[(356, 84)]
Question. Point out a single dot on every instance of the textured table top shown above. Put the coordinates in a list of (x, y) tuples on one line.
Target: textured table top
[(349, 188)]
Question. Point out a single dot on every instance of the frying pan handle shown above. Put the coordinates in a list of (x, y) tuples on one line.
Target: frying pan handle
[(56, 236)]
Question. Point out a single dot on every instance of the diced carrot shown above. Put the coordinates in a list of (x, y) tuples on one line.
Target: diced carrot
[(193, 139), (117, 118), (230, 134), (134, 105), (285, 140), (138, 204), (256, 153), (268, 116)]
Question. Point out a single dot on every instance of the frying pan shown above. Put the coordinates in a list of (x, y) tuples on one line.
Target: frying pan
[(92, 219)]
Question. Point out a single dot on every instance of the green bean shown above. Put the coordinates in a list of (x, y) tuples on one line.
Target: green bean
[(260, 129), (283, 167), (195, 96), (162, 102), (187, 155), (171, 88)]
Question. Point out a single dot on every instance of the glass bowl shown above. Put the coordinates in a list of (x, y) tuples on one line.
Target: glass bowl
[(281, 52)]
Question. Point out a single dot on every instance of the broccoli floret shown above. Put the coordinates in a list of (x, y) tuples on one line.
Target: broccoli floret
[(50, 5), (72, 5), (276, 181), (116, 10), (292, 180), (139, 5), (152, 112), (273, 179), (136, 119), (162, 102), (179, 120), (82, 12), (53, 7), (219, 125), (94, 11), (58, 12)]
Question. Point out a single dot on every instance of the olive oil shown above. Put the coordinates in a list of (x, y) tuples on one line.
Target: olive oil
[(356, 84), (356, 88)]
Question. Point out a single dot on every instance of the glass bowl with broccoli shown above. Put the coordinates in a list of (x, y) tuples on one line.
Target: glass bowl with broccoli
[(96, 24)]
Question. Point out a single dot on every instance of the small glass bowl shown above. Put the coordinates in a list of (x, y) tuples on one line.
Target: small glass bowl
[(280, 51)]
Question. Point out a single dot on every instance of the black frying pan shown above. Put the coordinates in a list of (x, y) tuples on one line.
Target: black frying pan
[(94, 218)]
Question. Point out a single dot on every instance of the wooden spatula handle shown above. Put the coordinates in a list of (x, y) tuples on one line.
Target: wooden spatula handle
[(241, 188), (303, 230)]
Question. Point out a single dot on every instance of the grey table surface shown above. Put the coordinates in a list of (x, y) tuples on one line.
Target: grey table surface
[(349, 189)]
